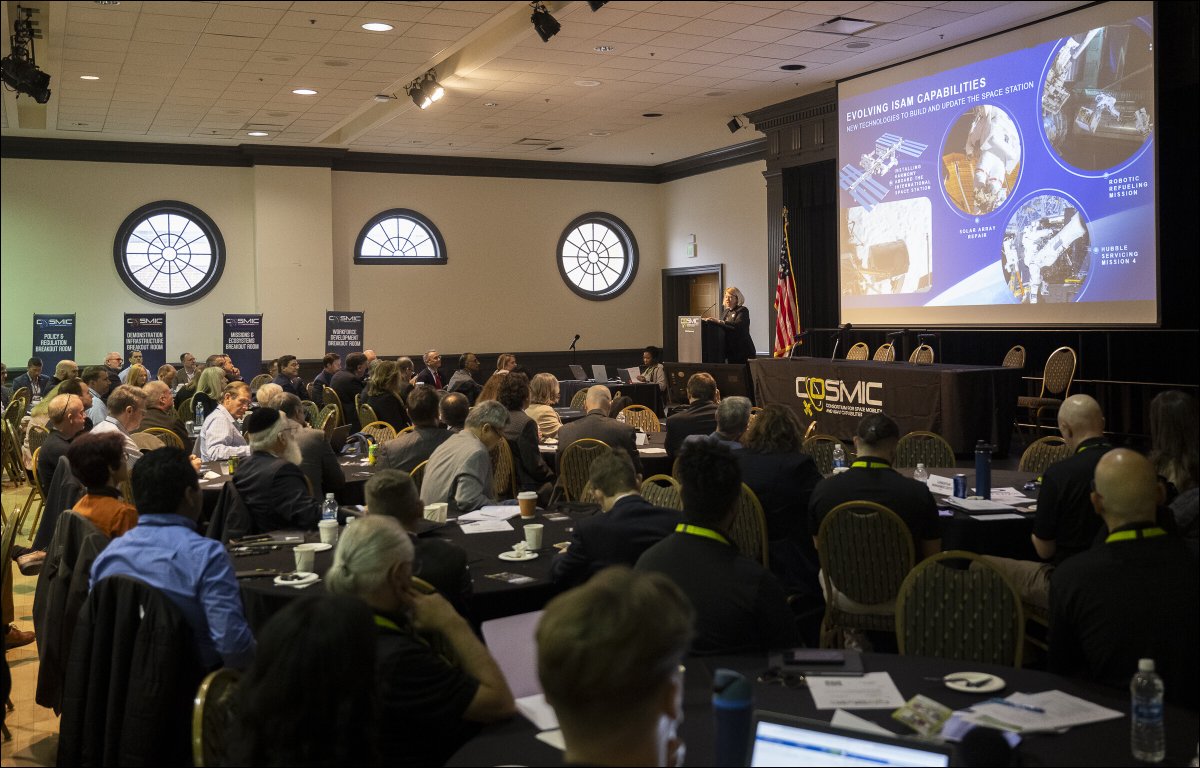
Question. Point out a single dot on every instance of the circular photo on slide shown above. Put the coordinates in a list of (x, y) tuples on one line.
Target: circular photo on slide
[(1045, 253), (1098, 96), (981, 159)]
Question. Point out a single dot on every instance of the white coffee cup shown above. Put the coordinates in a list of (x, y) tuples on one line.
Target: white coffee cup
[(639, 438), (305, 556), (533, 535), (329, 531), (528, 502), (437, 512)]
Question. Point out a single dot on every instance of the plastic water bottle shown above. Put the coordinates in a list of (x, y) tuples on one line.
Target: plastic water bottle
[(920, 474), (199, 419), (839, 456), (329, 508), (732, 702), (1146, 736), (983, 470)]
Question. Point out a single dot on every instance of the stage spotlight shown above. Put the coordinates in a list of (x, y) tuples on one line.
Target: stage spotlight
[(425, 90), (417, 93), (596, 5), (545, 24), (433, 89), (736, 124), (19, 69)]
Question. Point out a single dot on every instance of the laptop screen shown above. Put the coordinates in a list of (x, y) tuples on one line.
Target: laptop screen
[(780, 740), (578, 373), (599, 374)]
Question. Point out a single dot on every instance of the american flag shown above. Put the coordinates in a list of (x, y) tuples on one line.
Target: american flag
[(787, 318)]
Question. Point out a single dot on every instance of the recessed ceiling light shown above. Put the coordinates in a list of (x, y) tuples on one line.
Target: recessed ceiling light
[(587, 83), (604, 48), (257, 133), (599, 133), (792, 67), (489, 104), (652, 114), (304, 92), (555, 149), (89, 77), (377, 26), (858, 45)]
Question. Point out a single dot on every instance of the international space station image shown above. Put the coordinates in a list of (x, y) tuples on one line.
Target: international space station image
[(864, 182), (1046, 255)]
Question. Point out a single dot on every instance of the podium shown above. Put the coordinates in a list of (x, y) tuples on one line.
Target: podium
[(700, 342)]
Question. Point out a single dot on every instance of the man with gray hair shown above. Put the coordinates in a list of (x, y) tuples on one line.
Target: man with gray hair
[(434, 707), (733, 416), (126, 406), (270, 481), (66, 369), (460, 470), (67, 418), (317, 459), (598, 425), (431, 375), (160, 411)]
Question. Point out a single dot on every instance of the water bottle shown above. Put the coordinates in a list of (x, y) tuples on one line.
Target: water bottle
[(1146, 736), (732, 702), (329, 508), (983, 470), (839, 456), (920, 474), (198, 421)]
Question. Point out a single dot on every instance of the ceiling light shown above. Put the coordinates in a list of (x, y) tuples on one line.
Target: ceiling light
[(490, 104), (89, 77), (844, 25), (19, 68), (604, 48), (546, 25), (257, 134), (416, 92), (384, 98), (425, 90), (652, 114), (792, 67), (587, 83), (858, 45), (304, 92), (599, 133), (377, 26)]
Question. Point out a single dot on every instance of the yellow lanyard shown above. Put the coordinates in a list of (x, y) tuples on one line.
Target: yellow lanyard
[(706, 533), (869, 464), (1135, 533)]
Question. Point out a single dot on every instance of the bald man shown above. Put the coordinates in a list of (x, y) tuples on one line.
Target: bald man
[(598, 425), (1135, 596)]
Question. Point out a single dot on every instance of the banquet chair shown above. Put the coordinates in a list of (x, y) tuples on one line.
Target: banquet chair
[(146, 442), (37, 494), (381, 431), (866, 551), (885, 354), (576, 464), (662, 491), (166, 436), (183, 409), (809, 431), (641, 417), (922, 355), (1014, 358), (504, 471), (418, 474), (820, 448), (859, 351), (331, 398), (406, 430), (259, 380), (211, 717), (749, 529), (21, 393), (366, 414), (14, 464), (62, 491), (1043, 452), (36, 434), (1057, 377), (578, 400), (231, 517), (311, 410), (956, 613), (928, 448), (327, 419)]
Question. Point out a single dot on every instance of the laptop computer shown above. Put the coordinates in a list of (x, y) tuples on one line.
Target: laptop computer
[(578, 372), (786, 740), (338, 437), (629, 375), (600, 374)]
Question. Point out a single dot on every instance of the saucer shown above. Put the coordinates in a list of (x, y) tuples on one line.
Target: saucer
[(309, 578), (321, 546), (973, 682), (514, 557)]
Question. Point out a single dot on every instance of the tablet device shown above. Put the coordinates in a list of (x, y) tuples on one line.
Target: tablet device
[(786, 740)]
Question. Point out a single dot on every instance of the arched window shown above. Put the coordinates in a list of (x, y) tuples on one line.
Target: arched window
[(400, 236)]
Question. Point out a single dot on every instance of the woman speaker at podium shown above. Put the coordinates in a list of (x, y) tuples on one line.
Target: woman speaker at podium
[(739, 347)]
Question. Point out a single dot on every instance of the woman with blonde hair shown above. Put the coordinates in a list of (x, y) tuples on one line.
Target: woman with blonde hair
[(383, 395), (735, 319), (543, 396), (138, 375), (208, 388)]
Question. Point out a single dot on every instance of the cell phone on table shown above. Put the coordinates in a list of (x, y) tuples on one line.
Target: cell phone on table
[(805, 657)]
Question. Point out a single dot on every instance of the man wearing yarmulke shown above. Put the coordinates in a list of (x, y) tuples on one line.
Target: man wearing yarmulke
[(270, 481)]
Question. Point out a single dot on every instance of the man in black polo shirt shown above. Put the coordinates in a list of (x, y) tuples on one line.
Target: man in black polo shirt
[(740, 606), (1134, 596)]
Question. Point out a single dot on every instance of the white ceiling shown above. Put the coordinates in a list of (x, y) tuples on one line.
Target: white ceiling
[(208, 72)]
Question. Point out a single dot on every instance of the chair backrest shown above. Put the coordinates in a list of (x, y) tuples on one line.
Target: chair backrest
[(641, 417), (63, 489), (928, 448), (37, 435), (327, 419), (165, 435), (865, 550), (183, 409), (1043, 452), (406, 430), (749, 529), (366, 414), (1015, 357), (576, 464), (146, 441), (922, 355), (331, 398), (20, 393), (381, 431), (820, 448), (312, 411), (578, 399), (211, 717), (259, 380), (966, 614), (1059, 373), (885, 354), (504, 471), (859, 351), (809, 431), (418, 474), (231, 517), (662, 491), (14, 463)]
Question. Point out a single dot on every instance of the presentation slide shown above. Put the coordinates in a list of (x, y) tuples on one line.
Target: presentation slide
[(1005, 182)]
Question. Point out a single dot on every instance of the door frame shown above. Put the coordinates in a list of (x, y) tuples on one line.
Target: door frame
[(671, 280)]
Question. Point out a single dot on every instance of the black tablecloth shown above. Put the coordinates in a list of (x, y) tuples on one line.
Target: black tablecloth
[(354, 468), (962, 403), (653, 455), (989, 534), (648, 395)]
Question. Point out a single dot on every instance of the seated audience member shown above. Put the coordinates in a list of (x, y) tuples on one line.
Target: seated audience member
[(165, 551), (67, 419), (225, 363), (652, 371), (406, 451), (428, 708), (521, 432), (491, 387), (37, 382), (459, 471), (289, 376), (453, 410), (370, 355), (98, 462), (135, 358), (431, 374), (407, 376), (112, 369), (210, 388), (598, 426), (166, 374), (317, 647), (740, 606), (463, 380), (126, 406), (631, 526), (349, 383), (317, 459), (610, 658), (5, 390), (733, 416), (160, 411), (700, 417), (273, 369), (266, 392), (440, 562), (187, 371), (619, 404), (543, 396), (505, 363), (330, 364), (1134, 596), (220, 437), (96, 379), (1175, 444), (138, 375), (383, 395), (270, 481), (66, 369), (783, 479)]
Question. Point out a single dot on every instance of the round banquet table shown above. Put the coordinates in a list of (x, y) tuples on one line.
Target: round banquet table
[(653, 455)]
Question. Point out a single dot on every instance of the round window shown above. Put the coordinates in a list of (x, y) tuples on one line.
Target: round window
[(597, 256), (169, 252)]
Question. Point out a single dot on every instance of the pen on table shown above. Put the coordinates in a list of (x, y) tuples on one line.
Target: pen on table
[(1015, 705)]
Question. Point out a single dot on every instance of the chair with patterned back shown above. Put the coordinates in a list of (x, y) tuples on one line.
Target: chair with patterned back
[(146, 441), (576, 464), (1057, 377), (809, 431), (578, 399), (866, 551), (20, 393), (366, 414), (1014, 358), (956, 613), (311, 412), (12, 458), (418, 474), (37, 493), (662, 491), (749, 529), (327, 419), (922, 355), (504, 471), (1043, 452), (212, 717), (331, 398), (259, 380), (165, 435), (928, 448), (641, 417), (859, 351), (820, 448), (380, 430), (406, 430), (183, 409), (885, 354)]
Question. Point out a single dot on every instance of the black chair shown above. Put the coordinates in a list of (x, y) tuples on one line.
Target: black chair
[(231, 517)]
